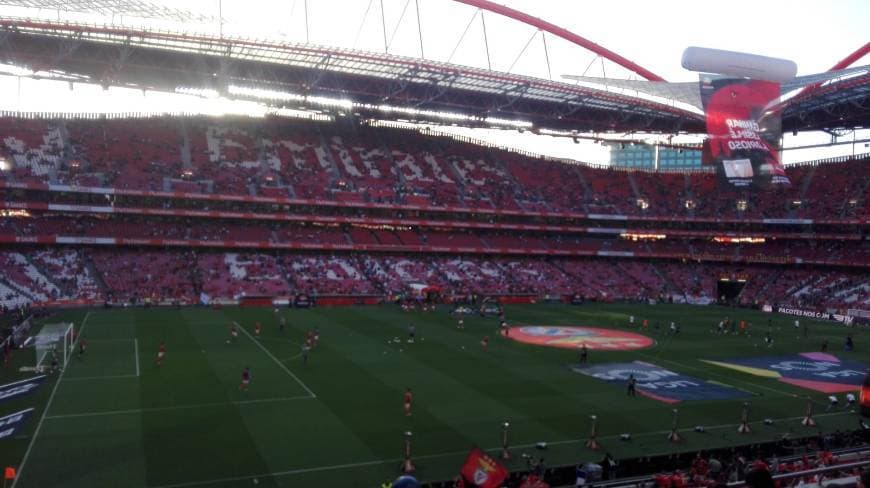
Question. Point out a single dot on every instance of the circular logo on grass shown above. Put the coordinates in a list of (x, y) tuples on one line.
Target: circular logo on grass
[(569, 337)]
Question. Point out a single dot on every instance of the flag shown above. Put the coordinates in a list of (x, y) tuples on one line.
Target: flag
[(482, 470)]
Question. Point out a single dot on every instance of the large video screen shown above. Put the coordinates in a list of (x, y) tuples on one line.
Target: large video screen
[(743, 133)]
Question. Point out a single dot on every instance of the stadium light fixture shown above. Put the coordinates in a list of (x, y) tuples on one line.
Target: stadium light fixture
[(11, 69), (199, 92), (413, 111), (301, 114), (349, 105), (507, 122), (263, 94), (5, 165), (330, 102)]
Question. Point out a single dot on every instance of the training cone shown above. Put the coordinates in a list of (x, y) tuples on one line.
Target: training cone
[(592, 442), (808, 420)]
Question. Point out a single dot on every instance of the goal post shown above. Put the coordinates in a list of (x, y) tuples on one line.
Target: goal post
[(54, 345)]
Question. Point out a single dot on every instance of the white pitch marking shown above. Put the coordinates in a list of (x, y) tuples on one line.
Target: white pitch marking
[(109, 377), (47, 406), (136, 351), (175, 407), (279, 363), (430, 456)]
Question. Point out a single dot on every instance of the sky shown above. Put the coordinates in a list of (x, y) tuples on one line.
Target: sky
[(815, 34)]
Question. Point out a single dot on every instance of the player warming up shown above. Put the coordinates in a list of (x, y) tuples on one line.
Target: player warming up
[(632, 386), (408, 400), (234, 333), (768, 339), (83, 346), (246, 379), (161, 353), (257, 329)]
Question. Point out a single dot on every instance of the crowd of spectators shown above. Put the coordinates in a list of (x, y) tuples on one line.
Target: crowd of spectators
[(364, 164), (411, 239), (756, 466), (123, 274), (349, 163)]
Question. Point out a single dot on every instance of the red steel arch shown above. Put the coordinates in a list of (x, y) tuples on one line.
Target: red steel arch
[(564, 34), (855, 56)]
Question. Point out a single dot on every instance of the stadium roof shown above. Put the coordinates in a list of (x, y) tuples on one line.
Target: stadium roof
[(137, 8), (160, 60)]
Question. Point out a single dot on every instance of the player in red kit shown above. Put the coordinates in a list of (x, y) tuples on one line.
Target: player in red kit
[(409, 398), (234, 333), (246, 379), (161, 353), (257, 329), (503, 328)]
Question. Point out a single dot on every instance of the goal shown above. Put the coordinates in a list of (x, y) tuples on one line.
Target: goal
[(54, 342)]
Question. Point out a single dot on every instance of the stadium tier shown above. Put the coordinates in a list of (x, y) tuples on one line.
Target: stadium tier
[(90, 275), (243, 208), (340, 163)]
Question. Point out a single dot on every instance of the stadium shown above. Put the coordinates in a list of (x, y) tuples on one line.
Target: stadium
[(256, 244)]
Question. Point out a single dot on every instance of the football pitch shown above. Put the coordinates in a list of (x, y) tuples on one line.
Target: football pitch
[(114, 418)]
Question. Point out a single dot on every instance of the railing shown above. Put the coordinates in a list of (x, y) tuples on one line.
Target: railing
[(834, 160), (784, 477), (845, 482)]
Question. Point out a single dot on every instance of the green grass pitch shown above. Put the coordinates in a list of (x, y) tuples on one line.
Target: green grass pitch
[(115, 419)]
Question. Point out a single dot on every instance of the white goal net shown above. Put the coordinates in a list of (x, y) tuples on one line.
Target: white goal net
[(54, 345)]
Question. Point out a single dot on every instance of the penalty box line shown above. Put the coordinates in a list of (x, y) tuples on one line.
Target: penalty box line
[(135, 374), (279, 363), (175, 407), (335, 467), (47, 406), (107, 377)]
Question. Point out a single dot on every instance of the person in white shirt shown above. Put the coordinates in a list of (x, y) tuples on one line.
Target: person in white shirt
[(850, 400), (833, 401)]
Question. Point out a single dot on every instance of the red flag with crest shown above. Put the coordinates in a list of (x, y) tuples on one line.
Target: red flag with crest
[(482, 470)]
